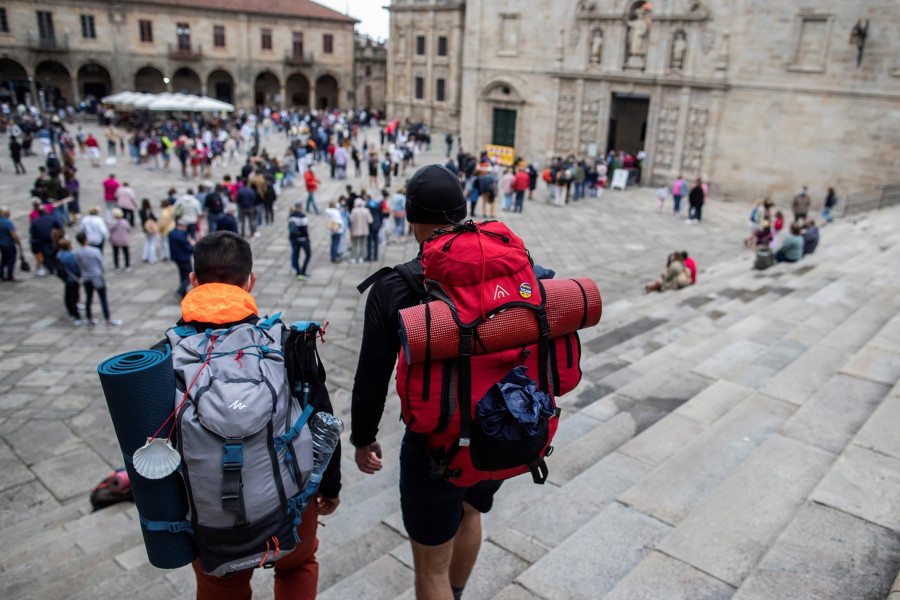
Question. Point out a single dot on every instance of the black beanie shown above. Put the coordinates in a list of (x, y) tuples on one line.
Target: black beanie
[(434, 195)]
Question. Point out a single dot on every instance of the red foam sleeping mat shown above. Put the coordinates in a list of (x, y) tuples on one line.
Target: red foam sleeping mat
[(571, 304)]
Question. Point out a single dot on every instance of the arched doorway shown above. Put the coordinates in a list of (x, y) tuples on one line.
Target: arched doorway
[(297, 90), (220, 85), (94, 81), (13, 81), (504, 102), (149, 80), (326, 92), (186, 81), (267, 89), (53, 83)]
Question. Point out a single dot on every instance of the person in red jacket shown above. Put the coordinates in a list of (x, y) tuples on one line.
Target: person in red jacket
[(520, 184), (312, 184), (690, 265)]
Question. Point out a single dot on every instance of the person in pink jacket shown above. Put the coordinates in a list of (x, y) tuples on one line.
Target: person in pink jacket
[(360, 222), (126, 199), (120, 237)]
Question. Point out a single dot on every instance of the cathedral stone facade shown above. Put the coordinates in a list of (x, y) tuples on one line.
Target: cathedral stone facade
[(754, 96)]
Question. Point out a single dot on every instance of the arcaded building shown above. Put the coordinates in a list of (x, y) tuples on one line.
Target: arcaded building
[(268, 52), (755, 96)]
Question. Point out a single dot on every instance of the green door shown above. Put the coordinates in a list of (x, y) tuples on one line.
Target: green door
[(504, 133)]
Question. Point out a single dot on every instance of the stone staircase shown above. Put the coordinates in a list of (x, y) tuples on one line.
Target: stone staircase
[(732, 440)]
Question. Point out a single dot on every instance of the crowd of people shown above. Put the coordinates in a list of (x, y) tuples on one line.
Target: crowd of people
[(243, 203)]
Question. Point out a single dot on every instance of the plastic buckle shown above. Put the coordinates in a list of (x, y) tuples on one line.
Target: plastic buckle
[(543, 323), (233, 456), (466, 342)]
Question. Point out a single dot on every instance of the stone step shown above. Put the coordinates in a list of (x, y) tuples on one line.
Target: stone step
[(590, 562), (674, 488), (826, 553), (661, 577), (729, 531), (382, 579)]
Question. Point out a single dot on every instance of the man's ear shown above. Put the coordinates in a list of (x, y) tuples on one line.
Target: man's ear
[(193, 279), (251, 281)]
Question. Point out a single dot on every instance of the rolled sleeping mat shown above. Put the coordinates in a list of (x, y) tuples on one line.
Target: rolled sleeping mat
[(571, 304), (140, 389)]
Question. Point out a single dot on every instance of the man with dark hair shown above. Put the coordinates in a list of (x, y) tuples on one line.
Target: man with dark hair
[(181, 247), (224, 258), (246, 201), (443, 520), (298, 229), (810, 237), (222, 281)]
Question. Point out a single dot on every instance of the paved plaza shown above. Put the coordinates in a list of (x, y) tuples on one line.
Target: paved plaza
[(688, 401)]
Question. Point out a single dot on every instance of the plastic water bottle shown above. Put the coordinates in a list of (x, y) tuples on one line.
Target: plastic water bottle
[(326, 433)]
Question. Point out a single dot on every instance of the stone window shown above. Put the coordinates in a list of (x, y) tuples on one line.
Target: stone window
[(88, 31), (811, 43), (297, 47), (266, 39), (219, 36), (4, 24), (509, 35), (45, 25), (328, 43), (420, 88), (146, 28), (442, 45), (420, 45), (439, 90), (368, 70), (183, 32)]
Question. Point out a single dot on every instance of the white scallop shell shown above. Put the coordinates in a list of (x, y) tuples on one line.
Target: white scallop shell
[(156, 459)]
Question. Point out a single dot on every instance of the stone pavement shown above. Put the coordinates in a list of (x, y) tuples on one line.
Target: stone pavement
[(729, 440)]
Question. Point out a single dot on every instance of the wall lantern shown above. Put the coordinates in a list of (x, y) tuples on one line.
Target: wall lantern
[(858, 38)]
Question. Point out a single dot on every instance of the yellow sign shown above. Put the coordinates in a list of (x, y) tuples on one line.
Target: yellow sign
[(502, 154)]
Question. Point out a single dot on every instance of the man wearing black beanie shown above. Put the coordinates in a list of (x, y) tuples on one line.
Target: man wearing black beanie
[(443, 520)]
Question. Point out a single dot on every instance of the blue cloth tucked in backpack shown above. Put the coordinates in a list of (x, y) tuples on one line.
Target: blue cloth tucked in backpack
[(514, 408)]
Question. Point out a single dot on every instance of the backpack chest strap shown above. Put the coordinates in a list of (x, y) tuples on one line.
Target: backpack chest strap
[(232, 483)]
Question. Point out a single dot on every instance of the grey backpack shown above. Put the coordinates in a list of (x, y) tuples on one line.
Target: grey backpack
[(246, 451)]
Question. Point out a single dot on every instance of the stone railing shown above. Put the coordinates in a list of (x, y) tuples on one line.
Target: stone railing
[(292, 59), (52, 43), (180, 53), (873, 199)]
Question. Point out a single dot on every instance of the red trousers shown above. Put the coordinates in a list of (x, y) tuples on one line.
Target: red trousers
[(296, 575)]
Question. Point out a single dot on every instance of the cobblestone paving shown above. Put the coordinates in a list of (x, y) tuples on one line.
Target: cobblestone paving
[(56, 439)]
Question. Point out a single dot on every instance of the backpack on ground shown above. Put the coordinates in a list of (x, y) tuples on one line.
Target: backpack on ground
[(463, 406), (246, 450), (765, 258)]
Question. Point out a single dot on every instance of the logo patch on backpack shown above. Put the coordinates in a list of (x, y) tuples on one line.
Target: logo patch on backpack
[(525, 290), (501, 293)]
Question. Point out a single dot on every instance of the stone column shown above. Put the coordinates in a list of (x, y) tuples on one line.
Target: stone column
[(681, 131)]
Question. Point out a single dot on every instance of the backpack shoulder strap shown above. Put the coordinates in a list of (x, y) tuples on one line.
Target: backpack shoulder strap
[(411, 272)]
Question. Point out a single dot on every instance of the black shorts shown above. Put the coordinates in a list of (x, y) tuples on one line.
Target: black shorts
[(433, 507)]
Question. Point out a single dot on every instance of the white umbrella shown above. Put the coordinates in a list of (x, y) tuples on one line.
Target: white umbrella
[(207, 104), (174, 102), (124, 98)]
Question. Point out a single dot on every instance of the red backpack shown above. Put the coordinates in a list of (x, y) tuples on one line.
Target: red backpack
[(487, 353)]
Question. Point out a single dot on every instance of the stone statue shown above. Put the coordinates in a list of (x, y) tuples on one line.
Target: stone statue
[(638, 28), (679, 49), (596, 47)]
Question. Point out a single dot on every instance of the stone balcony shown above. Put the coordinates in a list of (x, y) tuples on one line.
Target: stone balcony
[(50, 43), (192, 52), (298, 59)]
